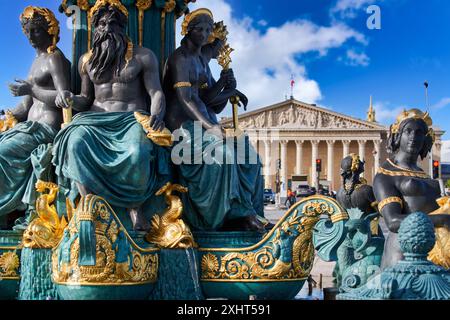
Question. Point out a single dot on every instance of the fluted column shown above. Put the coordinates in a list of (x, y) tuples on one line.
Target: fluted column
[(330, 158), (376, 155), (314, 155), (362, 149), (298, 157), (346, 148), (283, 173), (267, 164), (362, 152)]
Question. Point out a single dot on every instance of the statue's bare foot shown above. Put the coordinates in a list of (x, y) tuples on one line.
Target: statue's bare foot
[(249, 223), (138, 220)]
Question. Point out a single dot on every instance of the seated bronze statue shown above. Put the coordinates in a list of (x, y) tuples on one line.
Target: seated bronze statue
[(401, 187), (105, 150), (25, 153), (221, 196)]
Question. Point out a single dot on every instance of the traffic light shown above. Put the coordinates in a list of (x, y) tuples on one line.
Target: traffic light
[(436, 166), (279, 164), (319, 165)]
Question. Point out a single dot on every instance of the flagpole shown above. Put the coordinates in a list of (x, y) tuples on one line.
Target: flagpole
[(292, 87)]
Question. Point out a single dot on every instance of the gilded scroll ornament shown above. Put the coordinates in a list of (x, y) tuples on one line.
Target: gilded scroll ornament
[(169, 6), (46, 230), (168, 230), (9, 264), (143, 5), (440, 254), (83, 5), (286, 253), (118, 259), (161, 138)]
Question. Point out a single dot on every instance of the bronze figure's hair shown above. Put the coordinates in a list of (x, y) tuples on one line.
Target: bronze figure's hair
[(395, 137), (197, 16), (43, 18), (114, 56)]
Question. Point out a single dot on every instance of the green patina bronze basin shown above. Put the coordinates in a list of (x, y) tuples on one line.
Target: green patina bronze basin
[(97, 259), (237, 265)]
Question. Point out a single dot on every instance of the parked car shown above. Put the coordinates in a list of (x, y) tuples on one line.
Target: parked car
[(269, 196), (304, 191)]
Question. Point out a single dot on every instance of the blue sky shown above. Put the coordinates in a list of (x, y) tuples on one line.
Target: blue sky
[(336, 60)]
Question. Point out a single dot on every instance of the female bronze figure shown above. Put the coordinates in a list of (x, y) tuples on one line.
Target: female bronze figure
[(24, 151), (401, 187), (230, 195), (355, 192)]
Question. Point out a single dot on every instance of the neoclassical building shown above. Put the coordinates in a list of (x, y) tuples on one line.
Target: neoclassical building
[(294, 134)]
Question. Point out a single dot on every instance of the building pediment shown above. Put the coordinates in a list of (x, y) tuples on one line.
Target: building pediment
[(292, 114)]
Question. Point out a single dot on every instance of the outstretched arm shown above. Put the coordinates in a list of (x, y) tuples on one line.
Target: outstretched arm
[(19, 89), (153, 86)]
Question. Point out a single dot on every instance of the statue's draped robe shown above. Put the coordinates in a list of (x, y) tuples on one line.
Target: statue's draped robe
[(219, 191), (110, 154), (25, 156)]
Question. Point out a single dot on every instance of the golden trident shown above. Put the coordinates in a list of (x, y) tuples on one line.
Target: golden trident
[(224, 60)]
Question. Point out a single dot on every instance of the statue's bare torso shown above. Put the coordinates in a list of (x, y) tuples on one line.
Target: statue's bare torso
[(122, 93)]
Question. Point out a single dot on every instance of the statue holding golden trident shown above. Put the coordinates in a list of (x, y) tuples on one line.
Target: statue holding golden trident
[(195, 98)]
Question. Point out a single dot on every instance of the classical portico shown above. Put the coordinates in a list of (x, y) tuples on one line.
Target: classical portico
[(298, 133)]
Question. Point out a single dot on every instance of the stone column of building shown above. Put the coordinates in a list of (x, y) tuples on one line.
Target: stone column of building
[(299, 156), (315, 155), (267, 163), (330, 160), (362, 149), (362, 152), (346, 148), (283, 173), (376, 155)]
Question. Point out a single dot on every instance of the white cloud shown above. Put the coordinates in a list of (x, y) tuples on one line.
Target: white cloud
[(386, 113), (357, 58), (263, 61), (262, 23), (349, 8), (444, 102)]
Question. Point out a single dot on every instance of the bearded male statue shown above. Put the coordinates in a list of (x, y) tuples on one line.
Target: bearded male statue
[(105, 151)]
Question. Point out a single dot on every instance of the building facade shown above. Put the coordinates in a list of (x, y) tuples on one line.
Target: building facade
[(290, 136)]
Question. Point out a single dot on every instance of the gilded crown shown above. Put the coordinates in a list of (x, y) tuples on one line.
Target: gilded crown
[(411, 114), (113, 3), (417, 115), (53, 24), (191, 16)]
